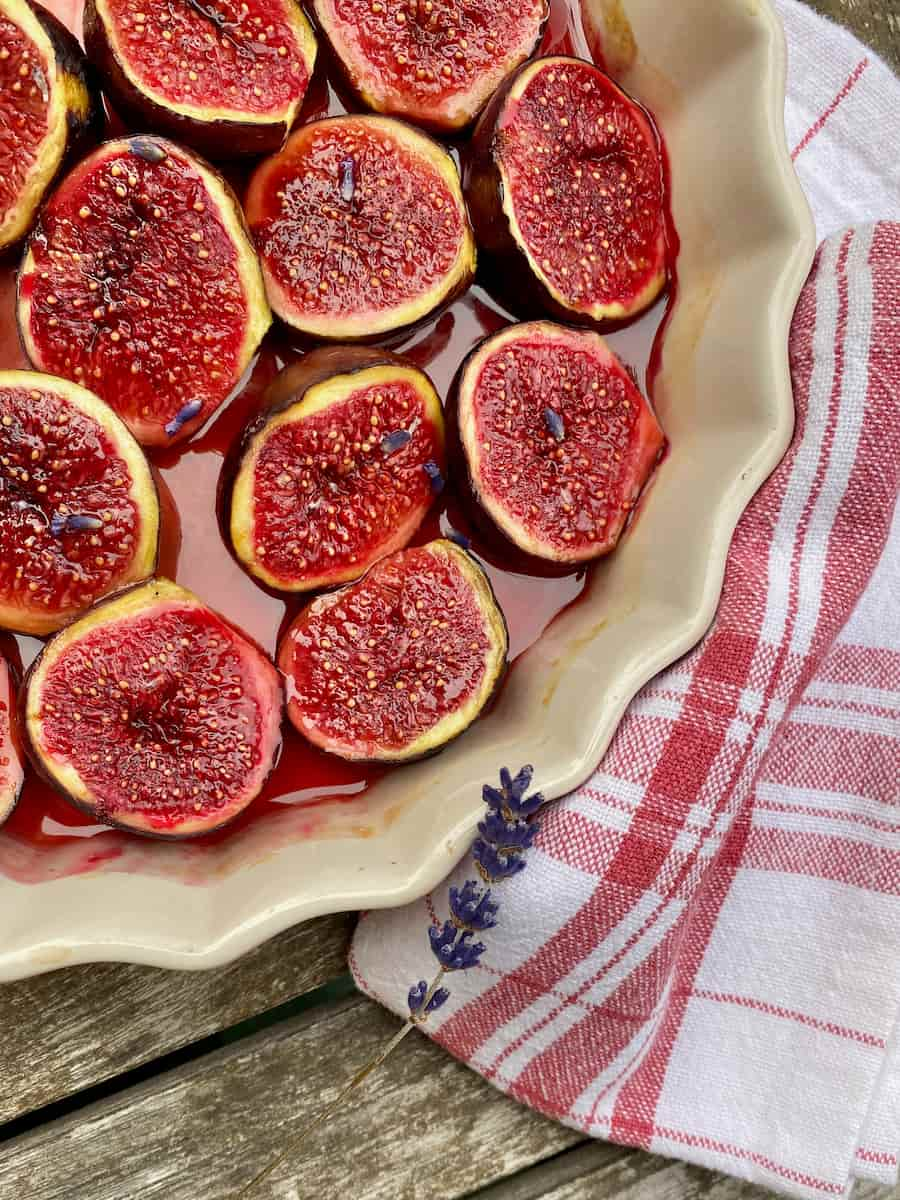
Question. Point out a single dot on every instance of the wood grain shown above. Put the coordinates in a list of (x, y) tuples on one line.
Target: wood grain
[(423, 1128), (63, 1032), (876, 22)]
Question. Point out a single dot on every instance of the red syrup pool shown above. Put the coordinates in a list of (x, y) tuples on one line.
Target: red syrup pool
[(194, 552)]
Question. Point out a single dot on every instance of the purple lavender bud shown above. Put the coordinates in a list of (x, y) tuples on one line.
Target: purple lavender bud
[(473, 908), (416, 997), (556, 426), (494, 864), (182, 417), (454, 953), (435, 478), (347, 175), (438, 1000), (508, 834), (391, 442), (147, 150), (61, 523)]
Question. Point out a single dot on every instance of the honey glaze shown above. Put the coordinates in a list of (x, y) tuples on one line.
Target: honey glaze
[(193, 478)]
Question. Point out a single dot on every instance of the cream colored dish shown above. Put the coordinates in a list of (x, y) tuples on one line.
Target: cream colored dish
[(714, 77)]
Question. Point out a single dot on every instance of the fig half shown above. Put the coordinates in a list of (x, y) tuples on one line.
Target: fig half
[(153, 714), (437, 64), (558, 440), (12, 772), (567, 194), (362, 228), (48, 108), (342, 470), (226, 78), (140, 282), (396, 665), (79, 515)]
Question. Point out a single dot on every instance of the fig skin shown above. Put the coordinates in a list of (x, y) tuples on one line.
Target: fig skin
[(224, 138), (508, 271), (380, 322), (373, 94), (66, 780), (490, 513), (12, 773), (290, 389), (152, 432), (83, 115), (143, 494), (433, 740)]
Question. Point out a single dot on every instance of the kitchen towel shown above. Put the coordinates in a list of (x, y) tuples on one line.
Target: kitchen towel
[(702, 957)]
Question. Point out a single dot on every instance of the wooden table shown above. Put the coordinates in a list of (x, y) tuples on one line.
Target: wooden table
[(121, 1083)]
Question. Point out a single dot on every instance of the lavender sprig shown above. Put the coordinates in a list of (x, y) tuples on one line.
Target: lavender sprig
[(505, 833)]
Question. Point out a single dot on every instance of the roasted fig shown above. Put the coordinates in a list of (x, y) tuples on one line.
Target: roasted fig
[(226, 78), (362, 228), (396, 665), (340, 472), (140, 282), (567, 194), (79, 515), (152, 713), (435, 64), (558, 440), (49, 107), (11, 770)]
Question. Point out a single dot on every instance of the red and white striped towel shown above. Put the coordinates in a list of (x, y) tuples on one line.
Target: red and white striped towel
[(703, 955)]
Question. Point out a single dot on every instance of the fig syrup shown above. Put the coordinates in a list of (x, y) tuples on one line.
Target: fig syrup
[(193, 479)]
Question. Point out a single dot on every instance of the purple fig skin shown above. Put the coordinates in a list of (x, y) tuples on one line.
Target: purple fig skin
[(84, 116), (221, 139), (507, 273)]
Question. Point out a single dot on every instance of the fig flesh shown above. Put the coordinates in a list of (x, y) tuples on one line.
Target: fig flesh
[(48, 108), (341, 472), (153, 714), (566, 189), (396, 665), (79, 515), (558, 440), (12, 772), (362, 228), (227, 78), (140, 282), (434, 64)]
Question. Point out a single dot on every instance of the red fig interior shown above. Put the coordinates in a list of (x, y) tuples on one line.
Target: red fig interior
[(558, 440), (433, 63), (141, 283), (361, 226), (340, 478), (247, 62), (583, 189), (11, 769), (154, 714), (79, 515), (394, 666), (44, 101)]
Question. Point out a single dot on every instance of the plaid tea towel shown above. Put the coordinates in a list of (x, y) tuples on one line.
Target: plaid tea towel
[(712, 970)]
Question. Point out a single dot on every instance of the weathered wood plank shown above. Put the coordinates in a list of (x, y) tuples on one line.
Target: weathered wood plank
[(422, 1128), (595, 1171), (876, 22), (63, 1032)]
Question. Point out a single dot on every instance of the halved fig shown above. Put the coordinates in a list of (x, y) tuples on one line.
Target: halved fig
[(153, 714), (362, 228), (12, 772), (558, 440), (79, 515), (437, 64), (340, 472), (49, 107), (396, 665), (140, 282), (567, 195), (227, 78)]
